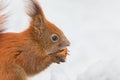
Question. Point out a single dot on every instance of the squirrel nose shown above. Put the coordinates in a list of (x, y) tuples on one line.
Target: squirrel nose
[(64, 44), (68, 43)]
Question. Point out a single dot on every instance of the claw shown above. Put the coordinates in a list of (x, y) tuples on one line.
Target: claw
[(60, 58)]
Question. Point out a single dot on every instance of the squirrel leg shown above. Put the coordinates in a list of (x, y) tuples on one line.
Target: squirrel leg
[(11, 72)]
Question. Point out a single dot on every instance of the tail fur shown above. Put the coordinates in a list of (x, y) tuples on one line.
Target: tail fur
[(2, 16), (1, 19)]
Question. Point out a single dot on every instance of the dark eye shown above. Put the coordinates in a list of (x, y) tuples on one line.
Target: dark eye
[(54, 37)]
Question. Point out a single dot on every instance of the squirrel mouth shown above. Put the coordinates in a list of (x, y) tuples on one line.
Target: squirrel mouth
[(60, 50), (57, 51)]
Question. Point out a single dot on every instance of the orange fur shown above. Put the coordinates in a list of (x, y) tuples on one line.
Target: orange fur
[(30, 52)]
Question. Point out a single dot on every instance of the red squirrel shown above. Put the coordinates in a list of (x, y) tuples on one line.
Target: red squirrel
[(33, 50)]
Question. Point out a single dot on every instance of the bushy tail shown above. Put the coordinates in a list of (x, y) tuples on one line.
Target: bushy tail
[(2, 15), (1, 19)]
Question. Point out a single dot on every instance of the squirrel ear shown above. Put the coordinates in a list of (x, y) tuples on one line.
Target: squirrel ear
[(35, 12), (37, 24)]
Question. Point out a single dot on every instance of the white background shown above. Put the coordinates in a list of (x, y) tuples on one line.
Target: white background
[(93, 28)]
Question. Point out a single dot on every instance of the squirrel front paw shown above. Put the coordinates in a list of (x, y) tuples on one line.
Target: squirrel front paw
[(59, 57)]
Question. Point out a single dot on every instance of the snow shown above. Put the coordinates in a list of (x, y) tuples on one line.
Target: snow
[(93, 28), (102, 70)]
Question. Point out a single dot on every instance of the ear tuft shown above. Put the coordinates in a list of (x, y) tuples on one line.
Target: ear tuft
[(35, 12), (34, 9)]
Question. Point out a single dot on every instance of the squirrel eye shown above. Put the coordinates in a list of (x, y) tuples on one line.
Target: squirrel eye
[(54, 37)]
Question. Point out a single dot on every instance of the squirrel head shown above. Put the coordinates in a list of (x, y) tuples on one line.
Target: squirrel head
[(46, 34)]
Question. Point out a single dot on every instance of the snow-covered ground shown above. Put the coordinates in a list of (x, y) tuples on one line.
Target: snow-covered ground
[(93, 28)]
